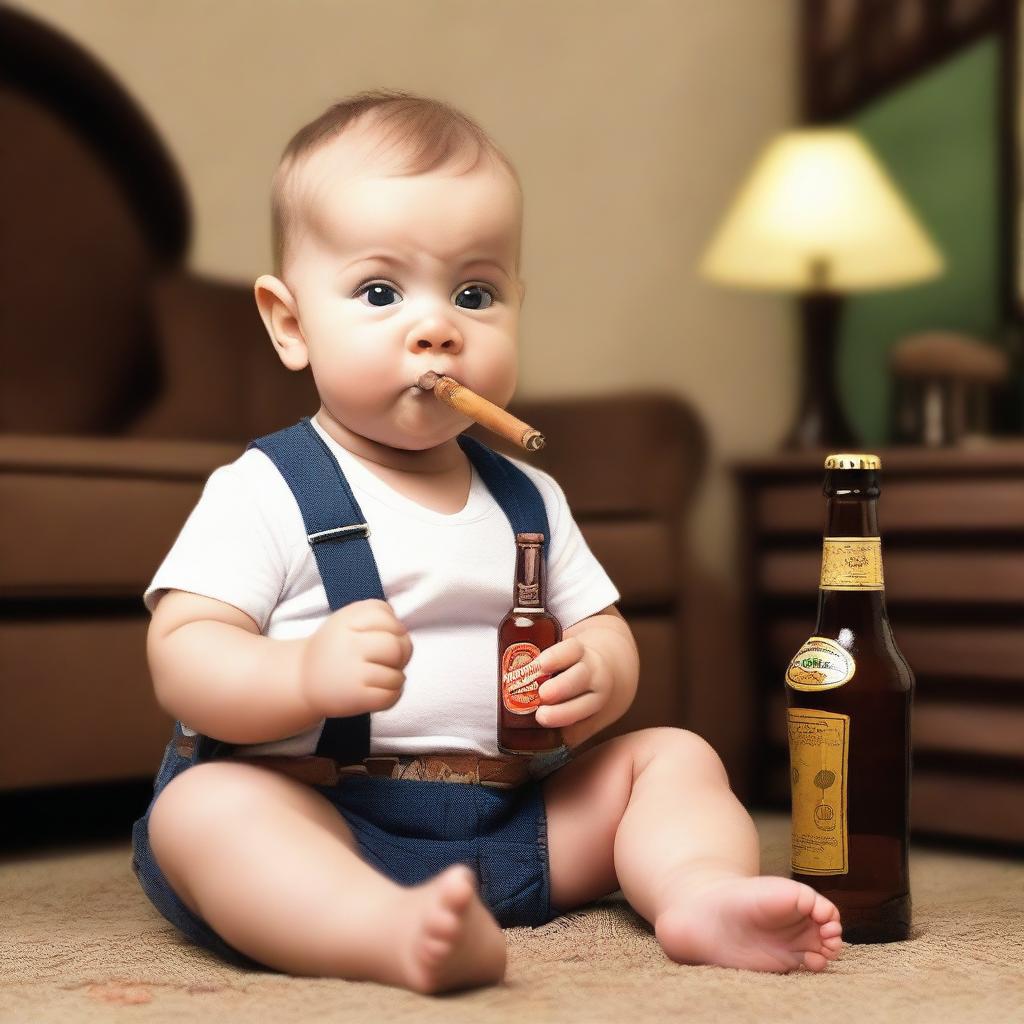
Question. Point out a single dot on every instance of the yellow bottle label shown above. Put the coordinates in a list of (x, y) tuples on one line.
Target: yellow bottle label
[(852, 563), (821, 664), (819, 752)]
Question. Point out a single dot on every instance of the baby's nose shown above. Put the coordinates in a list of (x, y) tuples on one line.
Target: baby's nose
[(427, 343), (442, 339)]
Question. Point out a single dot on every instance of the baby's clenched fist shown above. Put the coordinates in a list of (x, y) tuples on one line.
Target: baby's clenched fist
[(353, 663)]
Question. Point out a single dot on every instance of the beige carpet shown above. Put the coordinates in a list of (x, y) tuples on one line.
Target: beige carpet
[(79, 942)]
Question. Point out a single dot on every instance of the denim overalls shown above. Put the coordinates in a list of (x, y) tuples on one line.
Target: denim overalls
[(410, 830)]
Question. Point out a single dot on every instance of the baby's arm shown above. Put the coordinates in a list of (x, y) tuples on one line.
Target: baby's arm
[(213, 670)]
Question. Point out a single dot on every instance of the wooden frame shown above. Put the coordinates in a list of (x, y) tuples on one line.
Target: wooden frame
[(853, 52)]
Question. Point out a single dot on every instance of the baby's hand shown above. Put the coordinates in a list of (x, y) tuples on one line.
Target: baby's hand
[(582, 687), (353, 663)]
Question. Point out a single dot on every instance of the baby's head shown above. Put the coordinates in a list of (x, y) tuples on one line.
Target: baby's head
[(397, 226)]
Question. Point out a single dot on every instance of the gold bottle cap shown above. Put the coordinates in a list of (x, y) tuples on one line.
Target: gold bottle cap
[(852, 460)]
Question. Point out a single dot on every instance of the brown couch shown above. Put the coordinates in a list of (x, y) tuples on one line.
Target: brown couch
[(127, 380)]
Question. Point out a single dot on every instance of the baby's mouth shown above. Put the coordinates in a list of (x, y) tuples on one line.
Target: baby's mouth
[(424, 384), (427, 380)]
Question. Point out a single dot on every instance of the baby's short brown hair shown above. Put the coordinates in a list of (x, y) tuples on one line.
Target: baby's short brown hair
[(425, 134)]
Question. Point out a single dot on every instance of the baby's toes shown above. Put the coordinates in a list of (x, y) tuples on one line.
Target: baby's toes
[(445, 918), (831, 929), (457, 885), (434, 949), (815, 961), (806, 900), (823, 910), (442, 925)]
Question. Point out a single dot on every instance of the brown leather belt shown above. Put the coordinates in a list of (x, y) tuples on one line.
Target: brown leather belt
[(502, 773)]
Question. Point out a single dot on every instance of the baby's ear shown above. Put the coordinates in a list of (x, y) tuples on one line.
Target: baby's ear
[(279, 313)]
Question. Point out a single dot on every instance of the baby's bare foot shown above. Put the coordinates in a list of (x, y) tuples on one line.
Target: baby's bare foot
[(449, 938), (761, 923)]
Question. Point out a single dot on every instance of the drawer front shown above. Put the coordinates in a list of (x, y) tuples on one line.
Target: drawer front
[(926, 576), (905, 506), (947, 727), (945, 803), (993, 653)]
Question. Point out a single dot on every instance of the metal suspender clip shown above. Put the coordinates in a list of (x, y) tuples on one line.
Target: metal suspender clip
[(339, 533)]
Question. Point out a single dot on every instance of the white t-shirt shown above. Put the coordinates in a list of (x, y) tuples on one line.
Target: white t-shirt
[(448, 579)]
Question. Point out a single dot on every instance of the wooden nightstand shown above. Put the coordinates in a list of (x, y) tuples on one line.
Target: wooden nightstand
[(952, 525)]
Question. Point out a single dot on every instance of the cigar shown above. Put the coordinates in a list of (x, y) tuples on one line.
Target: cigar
[(476, 407)]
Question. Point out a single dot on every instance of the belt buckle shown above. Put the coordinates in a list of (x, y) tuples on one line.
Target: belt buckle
[(431, 768), (380, 761), (444, 772)]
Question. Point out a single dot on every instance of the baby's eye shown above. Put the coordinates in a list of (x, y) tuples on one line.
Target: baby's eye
[(378, 294), (477, 296)]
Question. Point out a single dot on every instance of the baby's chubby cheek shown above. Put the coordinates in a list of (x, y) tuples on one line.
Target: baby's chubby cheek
[(495, 377), (357, 375)]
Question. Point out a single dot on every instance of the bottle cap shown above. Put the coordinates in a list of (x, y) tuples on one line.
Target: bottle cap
[(852, 460), (529, 538)]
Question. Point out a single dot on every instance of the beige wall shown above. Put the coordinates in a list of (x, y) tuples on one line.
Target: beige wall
[(631, 123)]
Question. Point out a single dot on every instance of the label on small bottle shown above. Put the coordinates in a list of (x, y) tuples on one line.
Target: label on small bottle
[(819, 753), (520, 681), (821, 664), (852, 563)]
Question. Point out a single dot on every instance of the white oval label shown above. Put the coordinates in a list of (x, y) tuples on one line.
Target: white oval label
[(821, 664)]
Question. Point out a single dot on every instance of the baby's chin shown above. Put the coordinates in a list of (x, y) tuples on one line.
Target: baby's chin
[(410, 425), (412, 437), (419, 443)]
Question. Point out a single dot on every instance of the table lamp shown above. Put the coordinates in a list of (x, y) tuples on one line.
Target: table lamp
[(820, 216)]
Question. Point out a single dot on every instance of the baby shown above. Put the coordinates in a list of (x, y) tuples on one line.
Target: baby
[(279, 633)]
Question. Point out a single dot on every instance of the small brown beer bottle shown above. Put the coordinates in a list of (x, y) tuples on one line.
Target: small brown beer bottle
[(526, 631), (849, 693)]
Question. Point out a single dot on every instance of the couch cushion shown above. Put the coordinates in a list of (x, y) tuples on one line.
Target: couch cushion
[(94, 517), (94, 669)]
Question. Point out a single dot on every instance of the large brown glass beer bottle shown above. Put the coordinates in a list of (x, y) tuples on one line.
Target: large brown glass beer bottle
[(526, 631), (849, 693)]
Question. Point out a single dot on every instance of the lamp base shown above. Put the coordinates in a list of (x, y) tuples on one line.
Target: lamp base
[(821, 421)]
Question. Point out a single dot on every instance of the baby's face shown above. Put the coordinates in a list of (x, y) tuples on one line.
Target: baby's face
[(394, 276)]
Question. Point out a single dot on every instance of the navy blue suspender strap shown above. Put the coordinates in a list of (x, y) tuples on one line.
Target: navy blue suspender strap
[(511, 488), (337, 531)]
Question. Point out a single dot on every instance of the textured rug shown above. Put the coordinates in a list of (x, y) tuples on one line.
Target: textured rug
[(79, 942)]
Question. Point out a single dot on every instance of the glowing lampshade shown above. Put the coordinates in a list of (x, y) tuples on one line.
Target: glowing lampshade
[(819, 212)]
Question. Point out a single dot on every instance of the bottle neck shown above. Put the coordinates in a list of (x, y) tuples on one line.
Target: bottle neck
[(847, 515), (850, 594), (528, 591)]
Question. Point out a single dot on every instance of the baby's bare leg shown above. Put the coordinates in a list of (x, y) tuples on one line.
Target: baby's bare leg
[(653, 812), (273, 868)]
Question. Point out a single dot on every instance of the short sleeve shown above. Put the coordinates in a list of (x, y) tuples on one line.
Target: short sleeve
[(233, 545), (577, 584)]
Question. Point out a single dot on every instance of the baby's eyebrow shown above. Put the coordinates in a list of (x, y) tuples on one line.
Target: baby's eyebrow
[(393, 261), (485, 263)]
